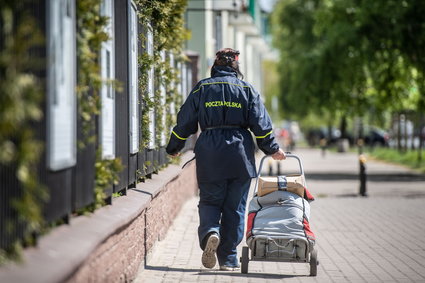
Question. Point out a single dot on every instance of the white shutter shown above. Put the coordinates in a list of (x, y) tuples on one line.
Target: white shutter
[(133, 75), (180, 83), (172, 104), (61, 73), (184, 81), (151, 88), (189, 79), (107, 116), (163, 105)]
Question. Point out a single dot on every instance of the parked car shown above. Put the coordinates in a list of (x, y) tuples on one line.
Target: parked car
[(377, 137), (316, 134)]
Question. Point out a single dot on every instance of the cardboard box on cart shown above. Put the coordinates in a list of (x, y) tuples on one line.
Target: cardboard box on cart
[(294, 184)]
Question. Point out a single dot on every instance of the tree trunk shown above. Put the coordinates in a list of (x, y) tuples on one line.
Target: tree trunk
[(360, 142), (405, 133), (343, 127), (398, 132), (416, 124), (421, 137), (421, 110), (329, 132)]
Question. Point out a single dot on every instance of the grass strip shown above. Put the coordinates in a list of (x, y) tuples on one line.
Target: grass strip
[(408, 158)]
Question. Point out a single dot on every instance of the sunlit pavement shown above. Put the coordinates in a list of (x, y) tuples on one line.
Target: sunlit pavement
[(378, 238)]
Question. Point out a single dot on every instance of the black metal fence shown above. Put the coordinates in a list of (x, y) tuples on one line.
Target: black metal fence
[(71, 189)]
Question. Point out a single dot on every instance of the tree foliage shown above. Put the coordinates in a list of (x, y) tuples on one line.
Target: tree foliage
[(21, 98), (350, 56), (166, 20)]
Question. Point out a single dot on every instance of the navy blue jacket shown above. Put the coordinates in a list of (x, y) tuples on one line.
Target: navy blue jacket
[(230, 107)]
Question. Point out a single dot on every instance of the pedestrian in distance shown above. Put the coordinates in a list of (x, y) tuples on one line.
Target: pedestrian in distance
[(226, 108)]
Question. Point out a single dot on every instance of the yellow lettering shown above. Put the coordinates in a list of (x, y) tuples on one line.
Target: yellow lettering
[(219, 103)]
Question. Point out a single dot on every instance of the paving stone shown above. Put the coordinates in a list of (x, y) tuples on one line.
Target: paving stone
[(378, 238)]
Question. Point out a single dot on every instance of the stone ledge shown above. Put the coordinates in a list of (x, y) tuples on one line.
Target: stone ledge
[(59, 254)]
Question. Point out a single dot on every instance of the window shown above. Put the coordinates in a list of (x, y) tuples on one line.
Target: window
[(180, 81), (107, 115), (61, 79), (133, 76), (163, 104), (218, 31), (172, 104), (151, 89), (184, 80)]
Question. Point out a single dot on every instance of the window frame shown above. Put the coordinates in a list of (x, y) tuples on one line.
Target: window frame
[(133, 79), (151, 85), (61, 113), (107, 61)]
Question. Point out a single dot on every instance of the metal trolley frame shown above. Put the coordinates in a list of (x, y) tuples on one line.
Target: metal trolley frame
[(310, 253)]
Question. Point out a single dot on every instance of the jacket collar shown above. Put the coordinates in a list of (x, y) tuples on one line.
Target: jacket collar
[(223, 71)]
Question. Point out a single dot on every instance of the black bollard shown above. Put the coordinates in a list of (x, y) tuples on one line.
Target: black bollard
[(362, 161)]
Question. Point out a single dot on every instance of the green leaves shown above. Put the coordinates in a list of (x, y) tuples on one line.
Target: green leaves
[(90, 35), (167, 21), (20, 108), (350, 56), (107, 171)]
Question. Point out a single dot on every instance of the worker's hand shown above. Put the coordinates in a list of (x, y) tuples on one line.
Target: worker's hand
[(175, 155), (279, 155)]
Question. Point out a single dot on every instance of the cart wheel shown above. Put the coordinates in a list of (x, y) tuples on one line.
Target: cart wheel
[(244, 260), (313, 263)]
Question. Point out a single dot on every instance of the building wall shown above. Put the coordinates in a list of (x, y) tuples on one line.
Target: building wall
[(237, 30), (196, 23)]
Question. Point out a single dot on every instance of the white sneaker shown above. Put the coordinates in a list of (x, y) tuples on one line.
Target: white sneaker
[(208, 257), (229, 268)]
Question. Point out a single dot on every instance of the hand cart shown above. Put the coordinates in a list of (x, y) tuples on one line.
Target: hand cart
[(279, 249)]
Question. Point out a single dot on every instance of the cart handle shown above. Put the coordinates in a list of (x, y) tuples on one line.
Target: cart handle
[(288, 155)]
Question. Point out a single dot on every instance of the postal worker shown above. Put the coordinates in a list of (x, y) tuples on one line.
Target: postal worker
[(226, 109)]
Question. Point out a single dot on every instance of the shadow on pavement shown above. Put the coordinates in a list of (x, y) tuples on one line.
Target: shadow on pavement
[(405, 194), (251, 275), (166, 268), (404, 177), (214, 272)]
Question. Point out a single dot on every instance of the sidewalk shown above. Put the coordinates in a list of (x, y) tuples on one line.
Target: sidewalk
[(375, 239)]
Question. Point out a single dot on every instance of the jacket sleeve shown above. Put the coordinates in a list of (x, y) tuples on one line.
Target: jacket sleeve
[(187, 123), (261, 125)]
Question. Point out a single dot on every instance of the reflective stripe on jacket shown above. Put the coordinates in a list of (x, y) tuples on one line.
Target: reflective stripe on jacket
[(224, 152)]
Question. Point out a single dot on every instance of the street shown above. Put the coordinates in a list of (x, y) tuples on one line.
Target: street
[(378, 238)]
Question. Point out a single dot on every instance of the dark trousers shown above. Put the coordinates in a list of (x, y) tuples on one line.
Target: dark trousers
[(222, 210)]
